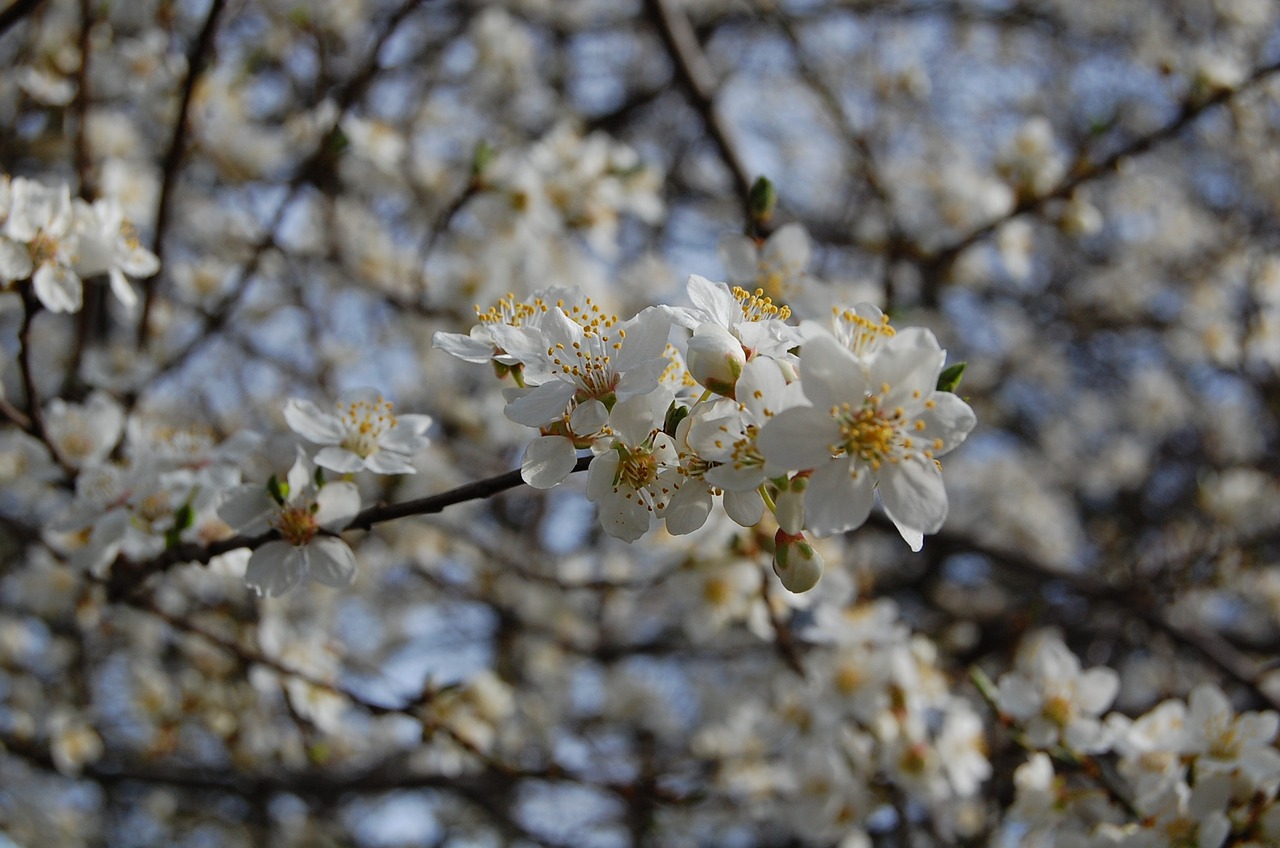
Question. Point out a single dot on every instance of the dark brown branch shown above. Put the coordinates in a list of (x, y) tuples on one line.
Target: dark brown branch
[(938, 265), (125, 576), (1133, 599), (16, 12), (348, 95), (699, 82), (196, 59)]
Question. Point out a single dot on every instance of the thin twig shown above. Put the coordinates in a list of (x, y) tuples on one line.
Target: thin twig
[(699, 82), (196, 59), (16, 12)]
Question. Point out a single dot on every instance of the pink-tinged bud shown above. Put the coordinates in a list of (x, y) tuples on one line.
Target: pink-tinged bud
[(715, 358), (796, 562)]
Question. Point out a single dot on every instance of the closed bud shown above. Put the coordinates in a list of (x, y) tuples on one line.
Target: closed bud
[(796, 562), (715, 358)]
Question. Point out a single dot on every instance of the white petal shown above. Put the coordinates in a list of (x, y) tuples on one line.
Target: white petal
[(913, 495), (246, 509), (949, 419), (340, 460), (838, 498), (640, 379), (1097, 689), (831, 375), (331, 562), (589, 417), (473, 348), (274, 569), (548, 461), (15, 261), (789, 247), (714, 301), (299, 477), (909, 362), (306, 419), (646, 339), (57, 287), (688, 509), (121, 289), (745, 508), (799, 438), (600, 475), (385, 462), (336, 505), (624, 518), (539, 406)]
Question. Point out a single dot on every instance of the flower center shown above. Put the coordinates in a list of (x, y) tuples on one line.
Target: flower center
[(868, 433), (510, 311), (861, 334), (296, 524), (365, 423), (638, 469), (756, 306), (43, 248)]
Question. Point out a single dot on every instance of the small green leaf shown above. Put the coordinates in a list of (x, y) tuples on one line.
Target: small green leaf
[(764, 197), (950, 377), (482, 157), (278, 489), (675, 414)]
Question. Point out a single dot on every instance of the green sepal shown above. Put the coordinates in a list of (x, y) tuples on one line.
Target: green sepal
[(949, 379), (183, 517), (675, 414), (278, 489)]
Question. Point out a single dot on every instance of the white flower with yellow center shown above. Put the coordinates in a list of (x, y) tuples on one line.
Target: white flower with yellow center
[(300, 511), (722, 317), (578, 353), (363, 433), (877, 425), (633, 480)]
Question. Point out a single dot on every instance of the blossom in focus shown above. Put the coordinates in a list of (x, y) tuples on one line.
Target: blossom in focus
[(633, 479), (579, 353), (873, 426), (752, 318), (363, 433), (299, 510)]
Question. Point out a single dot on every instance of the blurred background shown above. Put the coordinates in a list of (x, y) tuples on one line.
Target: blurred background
[(1079, 199)]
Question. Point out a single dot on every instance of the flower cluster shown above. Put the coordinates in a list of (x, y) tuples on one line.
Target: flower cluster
[(1187, 772), (55, 241), (745, 409)]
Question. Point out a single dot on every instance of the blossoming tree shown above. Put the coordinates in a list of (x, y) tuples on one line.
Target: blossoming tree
[(668, 422)]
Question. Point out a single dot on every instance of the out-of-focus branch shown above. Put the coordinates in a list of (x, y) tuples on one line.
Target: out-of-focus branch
[(699, 82), (18, 10), (1132, 599), (937, 265), (348, 95), (26, 366), (196, 59)]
